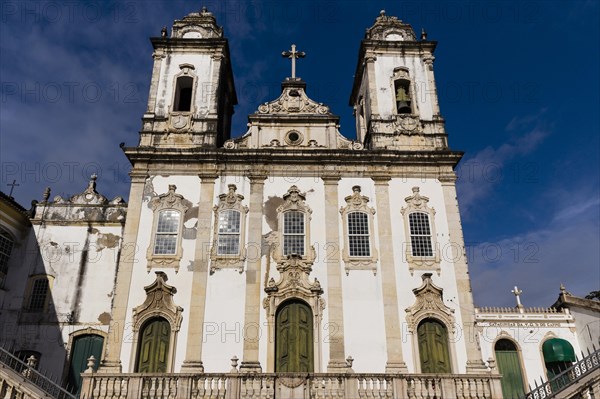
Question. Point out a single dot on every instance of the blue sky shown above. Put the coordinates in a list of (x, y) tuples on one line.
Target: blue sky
[(518, 84)]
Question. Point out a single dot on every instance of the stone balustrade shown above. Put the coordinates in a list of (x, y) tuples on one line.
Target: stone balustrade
[(288, 385)]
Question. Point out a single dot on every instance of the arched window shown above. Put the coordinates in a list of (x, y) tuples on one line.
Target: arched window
[(293, 233), (403, 96), (294, 338), (6, 246), (167, 230), (420, 234), (153, 346), (509, 365), (433, 347), (558, 356), (183, 94)]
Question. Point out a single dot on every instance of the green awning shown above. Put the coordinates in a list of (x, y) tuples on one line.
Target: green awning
[(558, 350)]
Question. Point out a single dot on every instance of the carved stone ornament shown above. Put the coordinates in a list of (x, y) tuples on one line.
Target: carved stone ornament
[(294, 200), (429, 303), (390, 28), (197, 25), (158, 303), (169, 200), (90, 196), (358, 203), (293, 100), (229, 201), (294, 283), (180, 121), (229, 145), (419, 203)]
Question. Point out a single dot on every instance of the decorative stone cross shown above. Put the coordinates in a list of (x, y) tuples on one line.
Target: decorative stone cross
[(293, 55), (12, 187), (517, 293)]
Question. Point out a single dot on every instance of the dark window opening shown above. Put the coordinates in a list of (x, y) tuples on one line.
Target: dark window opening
[(183, 94), (403, 100)]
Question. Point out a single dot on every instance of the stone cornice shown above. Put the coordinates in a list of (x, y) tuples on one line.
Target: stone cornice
[(267, 156)]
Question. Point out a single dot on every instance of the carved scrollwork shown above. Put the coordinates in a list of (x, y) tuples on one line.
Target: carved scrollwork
[(158, 303), (291, 101), (390, 28), (429, 303), (229, 145)]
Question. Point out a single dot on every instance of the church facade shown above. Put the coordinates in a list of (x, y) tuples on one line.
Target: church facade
[(290, 249)]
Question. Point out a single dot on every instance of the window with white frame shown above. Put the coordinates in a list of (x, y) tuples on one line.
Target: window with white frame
[(167, 230), (293, 233), (229, 232), (293, 221), (228, 248), (165, 248), (358, 234), (419, 227), (420, 234), (359, 252)]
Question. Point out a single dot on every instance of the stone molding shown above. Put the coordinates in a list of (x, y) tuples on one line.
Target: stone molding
[(293, 283), (358, 203), (169, 200), (419, 203), (229, 201), (429, 303), (158, 303)]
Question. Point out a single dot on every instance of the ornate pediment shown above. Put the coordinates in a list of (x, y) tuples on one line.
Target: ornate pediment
[(293, 100), (429, 303), (169, 200), (197, 25), (90, 196), (294, 200), (390, 28), (158, 303), (417, 202)]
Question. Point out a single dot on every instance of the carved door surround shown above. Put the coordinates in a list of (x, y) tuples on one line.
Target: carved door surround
[(429, 304), (293, 283), (158, 304)]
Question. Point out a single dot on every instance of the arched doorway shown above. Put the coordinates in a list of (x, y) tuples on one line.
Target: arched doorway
[(433, 347), (558, 356), (82, 348), (153, 347), (509, 365), (294, 338)]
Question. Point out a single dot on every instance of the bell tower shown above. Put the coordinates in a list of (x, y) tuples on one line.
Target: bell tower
[(394, 94), (192, 93)]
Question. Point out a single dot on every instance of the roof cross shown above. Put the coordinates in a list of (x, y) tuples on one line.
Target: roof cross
[(293, 55), (12, 187), (518, 293)]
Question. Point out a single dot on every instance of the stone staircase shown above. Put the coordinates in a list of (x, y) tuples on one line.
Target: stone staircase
[(20, 380)]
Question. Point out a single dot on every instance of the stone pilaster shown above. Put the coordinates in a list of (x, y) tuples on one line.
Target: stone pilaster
[(393, 333), (200, 273), (129, 255), (157, 56), (250, 362), (475, 363), (337, 362), (369, 61), (431, 83)]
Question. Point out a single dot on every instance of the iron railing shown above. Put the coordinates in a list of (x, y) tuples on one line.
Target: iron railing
[(569, 376), (28, 371)]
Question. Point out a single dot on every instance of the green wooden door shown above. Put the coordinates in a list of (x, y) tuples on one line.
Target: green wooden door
[(153, 352), (294, 338), (83, 347), (433, 347), (507, 359)]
